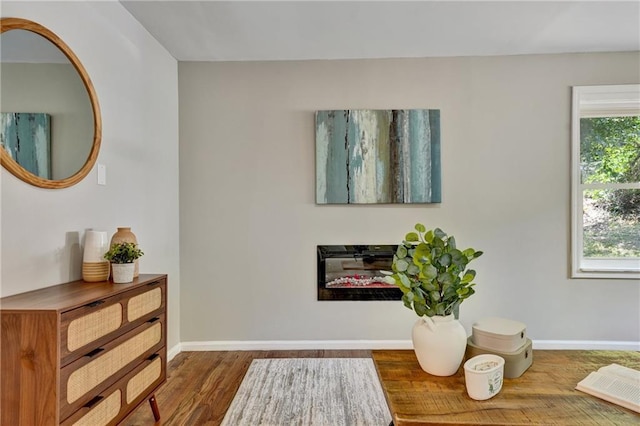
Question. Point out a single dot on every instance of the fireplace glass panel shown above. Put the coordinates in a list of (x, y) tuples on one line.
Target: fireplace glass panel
[(353, 272)]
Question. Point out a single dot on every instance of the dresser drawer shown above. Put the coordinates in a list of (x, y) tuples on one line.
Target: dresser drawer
[(87, 327), (90, 375), (102, 410), (112, 405)]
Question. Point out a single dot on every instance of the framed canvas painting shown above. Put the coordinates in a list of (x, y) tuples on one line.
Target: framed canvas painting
[(25, 136), (378, 156)]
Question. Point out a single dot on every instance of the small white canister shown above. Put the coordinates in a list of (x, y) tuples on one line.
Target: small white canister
[(483, 376)]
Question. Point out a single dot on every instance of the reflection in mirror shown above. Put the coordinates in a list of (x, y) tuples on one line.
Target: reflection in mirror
[(50, 122)]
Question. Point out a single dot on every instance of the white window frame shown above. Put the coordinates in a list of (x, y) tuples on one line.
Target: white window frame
[(591, 102)]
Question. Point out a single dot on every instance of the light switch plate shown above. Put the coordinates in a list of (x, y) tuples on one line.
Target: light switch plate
[(102, 174)]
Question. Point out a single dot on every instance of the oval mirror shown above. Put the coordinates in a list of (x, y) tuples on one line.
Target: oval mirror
[(50, 125)]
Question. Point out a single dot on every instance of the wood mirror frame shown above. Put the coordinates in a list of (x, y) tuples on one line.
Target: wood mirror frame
[(7, 24)]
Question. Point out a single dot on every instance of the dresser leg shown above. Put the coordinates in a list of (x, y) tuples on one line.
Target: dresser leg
[(154, 407)]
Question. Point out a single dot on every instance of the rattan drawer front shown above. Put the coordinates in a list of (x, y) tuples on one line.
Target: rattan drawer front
[(144, 379), (135, 387), (89, 328), (85, 378), (143, 304), (103, 413)]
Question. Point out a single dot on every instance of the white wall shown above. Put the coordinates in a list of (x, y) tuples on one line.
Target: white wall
[(250, 225), (136, 83)]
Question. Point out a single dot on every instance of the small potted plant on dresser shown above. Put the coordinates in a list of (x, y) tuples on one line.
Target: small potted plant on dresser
[(122, 257)]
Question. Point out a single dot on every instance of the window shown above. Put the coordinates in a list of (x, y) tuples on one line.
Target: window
[(605, 182)]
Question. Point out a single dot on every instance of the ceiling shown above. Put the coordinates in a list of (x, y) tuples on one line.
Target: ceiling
[(301, 30)]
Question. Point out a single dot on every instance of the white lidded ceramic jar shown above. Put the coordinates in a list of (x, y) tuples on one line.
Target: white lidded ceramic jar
[(439, 343), (483, 376)]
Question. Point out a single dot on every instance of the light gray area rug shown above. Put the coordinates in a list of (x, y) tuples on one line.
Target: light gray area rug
[(309, 391)]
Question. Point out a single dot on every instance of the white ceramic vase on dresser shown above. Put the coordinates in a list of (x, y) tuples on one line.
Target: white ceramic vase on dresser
[(95, 267)]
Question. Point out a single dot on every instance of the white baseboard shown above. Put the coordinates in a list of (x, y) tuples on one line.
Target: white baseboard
[(171, 353), (587, 344), (275, 345), (289, 345)]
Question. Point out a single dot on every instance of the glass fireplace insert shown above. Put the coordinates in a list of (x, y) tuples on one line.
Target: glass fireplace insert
[(353, 272)]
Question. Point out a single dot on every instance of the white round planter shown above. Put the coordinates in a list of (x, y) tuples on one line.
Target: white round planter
[(439, 343), (123, 272)]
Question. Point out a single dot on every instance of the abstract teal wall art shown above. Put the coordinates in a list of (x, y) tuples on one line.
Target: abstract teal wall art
[(378, 156), (25, 136)]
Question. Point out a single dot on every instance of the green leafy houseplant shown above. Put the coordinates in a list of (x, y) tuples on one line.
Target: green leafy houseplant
[(123, 253), (432, 272)]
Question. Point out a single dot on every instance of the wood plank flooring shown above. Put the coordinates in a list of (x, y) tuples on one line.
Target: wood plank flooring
[(201, 385)]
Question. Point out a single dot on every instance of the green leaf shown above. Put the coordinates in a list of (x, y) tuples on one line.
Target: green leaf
[(420, 227), (413, 270), (429, 236), (439, 233), (469, 253), (456, 309), (422, 251), (452, 242), (412, 237), (429, 286), (435, 253), (421, 309), (406, 301), (429, 272), (401, 265), (445, 278), (462, 291), (457, 257), (450, 294), (389, 279), (435, 296), (477, 254), (401, 252), (468, 276), (445, 259), (438, 243), (418, 295), (404, 280)]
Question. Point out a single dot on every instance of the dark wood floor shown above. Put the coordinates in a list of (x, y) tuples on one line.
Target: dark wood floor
[(201, 385)]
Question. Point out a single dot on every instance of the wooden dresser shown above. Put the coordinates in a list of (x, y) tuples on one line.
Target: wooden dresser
[(82, 353)]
